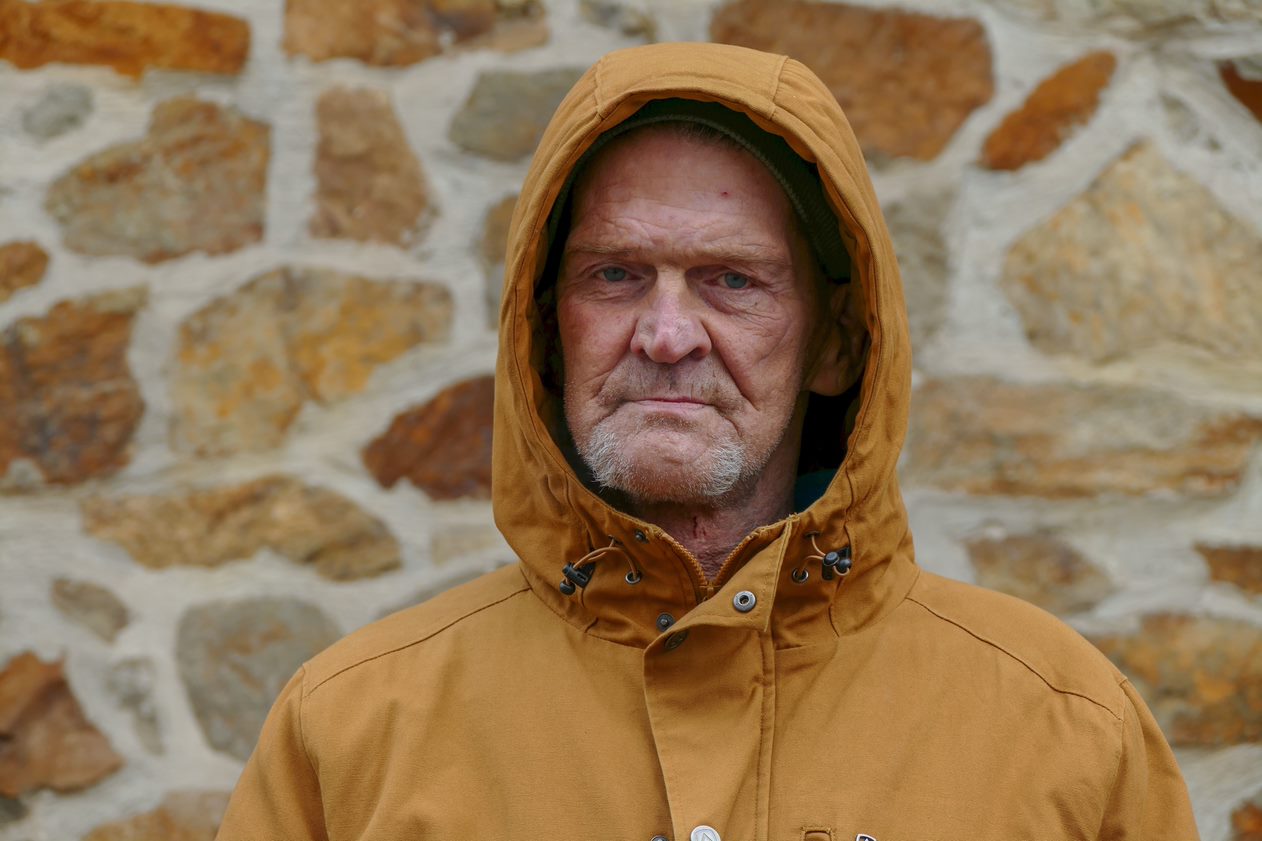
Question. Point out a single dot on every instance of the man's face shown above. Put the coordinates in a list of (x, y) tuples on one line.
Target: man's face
[(686, 302)]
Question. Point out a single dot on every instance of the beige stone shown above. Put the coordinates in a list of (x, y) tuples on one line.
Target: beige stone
[(248, 361), (68, 402), (45, 739), (906, 81), (1238, 565), (452, 544), (209, 527), (506, 112), (985, 436), (369, 185), (130, 37), (182, 816), (90, 605), (1040, 568), (1145, 257), (1051, 113), (22, 264), (443, 447), (196, 182), (1201, 676)]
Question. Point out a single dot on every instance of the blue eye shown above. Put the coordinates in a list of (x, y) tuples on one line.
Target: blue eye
[(613, 274), (733, 280)]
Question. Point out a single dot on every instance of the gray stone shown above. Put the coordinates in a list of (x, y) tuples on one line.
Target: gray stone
[(131, 683), (62, 108), (629, 18), (91, 606), (915, 225), (235, 656), (12, 810), (507, 111)]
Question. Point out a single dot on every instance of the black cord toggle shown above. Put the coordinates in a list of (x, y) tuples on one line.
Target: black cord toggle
[(576, 577)]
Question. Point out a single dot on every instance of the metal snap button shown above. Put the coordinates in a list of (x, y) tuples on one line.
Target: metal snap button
[(744, 601), (705, 833), (641, 536), (664, 621), (659, 838), (675, 640)]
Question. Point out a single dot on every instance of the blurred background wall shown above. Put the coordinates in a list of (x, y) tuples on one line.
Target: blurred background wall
[(249, 265)]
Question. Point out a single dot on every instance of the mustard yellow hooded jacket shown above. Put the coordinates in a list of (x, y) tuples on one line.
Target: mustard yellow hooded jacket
[(887, 703)]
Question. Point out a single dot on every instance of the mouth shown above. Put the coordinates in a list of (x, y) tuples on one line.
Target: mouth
[(670, 403)]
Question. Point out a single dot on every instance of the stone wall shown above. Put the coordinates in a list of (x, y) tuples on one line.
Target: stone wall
[(249, 257)]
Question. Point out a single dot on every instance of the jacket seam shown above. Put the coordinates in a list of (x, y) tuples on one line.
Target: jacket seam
[(1020, 660), (306, 748), (1117, 771), (523, 588)]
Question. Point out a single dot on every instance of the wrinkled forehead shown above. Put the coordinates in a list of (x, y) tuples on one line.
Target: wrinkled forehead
[(692, 186)]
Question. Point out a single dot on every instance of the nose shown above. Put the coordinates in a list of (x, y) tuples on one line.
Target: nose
[(669, 329)]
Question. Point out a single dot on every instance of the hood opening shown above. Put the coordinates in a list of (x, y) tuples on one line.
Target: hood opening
[(829, 420)]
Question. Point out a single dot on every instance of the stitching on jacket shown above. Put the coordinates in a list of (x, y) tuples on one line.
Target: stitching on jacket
[(775, 89), (522, 589), (999, 647)]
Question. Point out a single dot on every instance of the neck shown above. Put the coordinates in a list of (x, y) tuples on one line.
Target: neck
[(710, 532)]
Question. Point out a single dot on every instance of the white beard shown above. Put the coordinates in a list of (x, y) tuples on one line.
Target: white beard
[(724, 469)]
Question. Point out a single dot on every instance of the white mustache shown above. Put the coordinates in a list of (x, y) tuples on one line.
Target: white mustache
[(637, 379)]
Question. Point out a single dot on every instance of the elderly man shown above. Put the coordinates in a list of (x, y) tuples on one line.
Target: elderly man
[(717, 629)]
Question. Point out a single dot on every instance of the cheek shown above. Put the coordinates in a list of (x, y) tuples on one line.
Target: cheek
[(589, 343)]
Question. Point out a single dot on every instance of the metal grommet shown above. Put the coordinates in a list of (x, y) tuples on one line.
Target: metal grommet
[(744, 601), (641, 536), (675, 640), (633, 577), (664, 621), (659, 838), (799, 575)]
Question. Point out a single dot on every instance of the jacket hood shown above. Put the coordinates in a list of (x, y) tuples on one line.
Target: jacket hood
[(636, 571)]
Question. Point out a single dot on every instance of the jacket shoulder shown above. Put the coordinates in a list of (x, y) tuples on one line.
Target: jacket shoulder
[(1029, 635), (414, 625)]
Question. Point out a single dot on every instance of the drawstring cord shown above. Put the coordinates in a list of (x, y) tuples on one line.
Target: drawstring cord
[(833, 563), (580, 574)]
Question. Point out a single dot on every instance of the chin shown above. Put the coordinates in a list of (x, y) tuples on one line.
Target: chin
[(657, 465)]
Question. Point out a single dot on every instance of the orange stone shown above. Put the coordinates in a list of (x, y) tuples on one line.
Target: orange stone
[(443, 447), (22, 264), (1238, 565), (1201, 676), (1060, 104), (45, 740), (1246, 820), (129, 37), (182, 816), (68, 403), (1248, 91), (906, 81)]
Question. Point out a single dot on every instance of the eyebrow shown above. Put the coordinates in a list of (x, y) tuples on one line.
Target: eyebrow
[(750, 256)]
